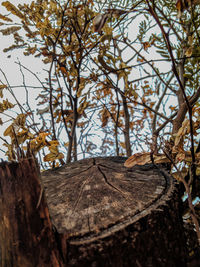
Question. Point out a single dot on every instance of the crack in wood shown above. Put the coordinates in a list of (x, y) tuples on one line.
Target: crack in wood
[(78, 198), (111, 185)]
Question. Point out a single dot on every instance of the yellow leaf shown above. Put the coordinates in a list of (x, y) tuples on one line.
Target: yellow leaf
[(183, 156), (54, 149), (30, 135), (54, 143), (180, 157), (15, 11), (2, 86), (60, 156), (108, 30), (198, 171), (123, 145), (146, 45), (35, 146), (10, 30), (53, 6), (9, 131), (189, 51), (20, 120), (190, 40), (63, 70), (7, 104), (122, 74), (5, 18), (22, 132), (181, 132), (54, 154), (10, 153), (41, 139), (49, 157), (1, 93), (80, 89)]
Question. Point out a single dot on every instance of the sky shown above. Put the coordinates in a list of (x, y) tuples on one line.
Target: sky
[(8, 60), (12, 71), (7, 64)]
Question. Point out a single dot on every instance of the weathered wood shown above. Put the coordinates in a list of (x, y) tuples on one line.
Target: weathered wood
[(107, 215), (26, 233)]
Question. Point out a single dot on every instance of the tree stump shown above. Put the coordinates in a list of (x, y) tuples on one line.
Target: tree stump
[(27, 238), (108, 215)]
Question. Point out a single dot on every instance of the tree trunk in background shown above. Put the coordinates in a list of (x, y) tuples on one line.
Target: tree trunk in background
[(127, 128)]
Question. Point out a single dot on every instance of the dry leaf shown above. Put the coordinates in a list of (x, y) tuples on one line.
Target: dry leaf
[(189, 51), (99, 21), (144, 158), (161, 158), (138, 159), (181, 132), (179, 175)]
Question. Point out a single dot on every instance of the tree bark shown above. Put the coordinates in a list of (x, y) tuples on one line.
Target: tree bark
[(27, 237), (127, 128)]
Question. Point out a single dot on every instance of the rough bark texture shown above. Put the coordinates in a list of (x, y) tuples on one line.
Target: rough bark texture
[(26, 233), (107, 215)]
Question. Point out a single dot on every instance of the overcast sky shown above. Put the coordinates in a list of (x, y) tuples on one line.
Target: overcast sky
[(11, 69), (8, 64)]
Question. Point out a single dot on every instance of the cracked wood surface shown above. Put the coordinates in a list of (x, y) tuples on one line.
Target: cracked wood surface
[(93, 198)]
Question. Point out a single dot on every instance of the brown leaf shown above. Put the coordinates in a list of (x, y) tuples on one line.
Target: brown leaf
[(5, 18), (144, 158), (161, 158), (179, 175), (99, 21), (8, 131), (138, 159), (146, 45), (189, 51), (181, 132)]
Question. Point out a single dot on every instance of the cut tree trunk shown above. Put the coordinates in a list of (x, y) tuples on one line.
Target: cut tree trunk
[(103, 215), (108, 215), (26, 233)]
